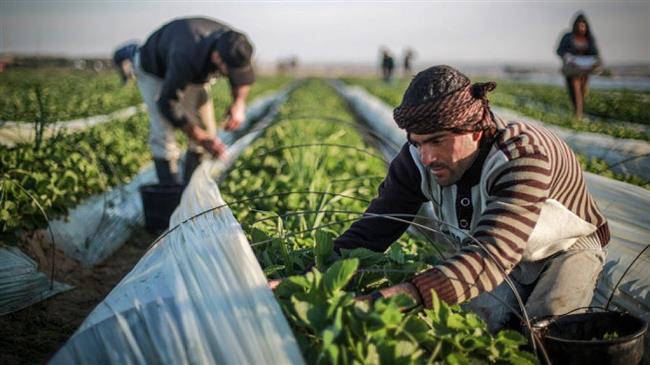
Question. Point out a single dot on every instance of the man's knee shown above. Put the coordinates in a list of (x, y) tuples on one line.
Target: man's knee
[(568, 284)]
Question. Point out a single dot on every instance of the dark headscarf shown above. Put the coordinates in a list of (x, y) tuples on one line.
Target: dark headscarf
[(580, 17), (441, 98)]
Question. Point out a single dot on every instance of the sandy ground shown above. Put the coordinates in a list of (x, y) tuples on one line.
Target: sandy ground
[(34, 334)]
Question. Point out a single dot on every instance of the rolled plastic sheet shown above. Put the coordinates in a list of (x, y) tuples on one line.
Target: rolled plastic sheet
[(12, 133), (626, 206), (198, 296), (21, 284), (596, 82), (94, 229)]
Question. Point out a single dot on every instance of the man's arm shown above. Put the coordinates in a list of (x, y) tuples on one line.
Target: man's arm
[(399, 193), (517, 191), (177, 77), (237, 112)]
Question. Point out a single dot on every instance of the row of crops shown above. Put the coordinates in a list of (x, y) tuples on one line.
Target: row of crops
[(46, 179), (551, 104), (55, 94), (527, 98), (61, 94), (299, 187)]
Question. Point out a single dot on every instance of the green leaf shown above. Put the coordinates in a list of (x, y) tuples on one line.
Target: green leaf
[(396, 254), (511, 338), (292, 285), (269, 270), (324, 247), (301, 308), (367, 257), (523, 358), (457, 358), (339, 274)]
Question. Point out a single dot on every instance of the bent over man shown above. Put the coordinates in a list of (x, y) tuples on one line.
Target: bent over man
[(516, 188), (173, 70)]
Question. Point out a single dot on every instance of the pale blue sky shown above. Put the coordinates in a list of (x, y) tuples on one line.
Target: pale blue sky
[(340, 31)]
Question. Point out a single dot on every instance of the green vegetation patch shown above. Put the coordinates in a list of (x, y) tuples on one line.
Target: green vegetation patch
[(510, 95), (65, 169), (297, 188), (57, 94), (50, 176)]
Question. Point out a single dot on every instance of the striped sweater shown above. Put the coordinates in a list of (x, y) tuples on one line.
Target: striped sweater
[(523, 199)]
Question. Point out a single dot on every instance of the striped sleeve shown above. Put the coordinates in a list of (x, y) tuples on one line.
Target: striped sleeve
[(517, 190)]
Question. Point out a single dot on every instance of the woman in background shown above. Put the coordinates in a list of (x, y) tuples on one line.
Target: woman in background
[(579, 58)]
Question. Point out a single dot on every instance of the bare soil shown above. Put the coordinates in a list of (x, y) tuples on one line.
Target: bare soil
[(34, 334)]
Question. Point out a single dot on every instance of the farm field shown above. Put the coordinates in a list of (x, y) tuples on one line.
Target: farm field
[(550, 104), (555, 111), (321, 221), (316, 169), (59, 94), (49, 176), (294, 190), (317, 174)]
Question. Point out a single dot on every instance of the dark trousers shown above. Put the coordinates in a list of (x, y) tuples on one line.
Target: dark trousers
[(168, 173)]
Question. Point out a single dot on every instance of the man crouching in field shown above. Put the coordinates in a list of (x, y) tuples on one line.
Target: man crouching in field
[(516, 188)]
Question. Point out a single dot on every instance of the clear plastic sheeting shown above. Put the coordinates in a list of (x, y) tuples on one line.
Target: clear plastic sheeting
[(21, 284), (100, 225), (12, 133), (626, 206), (93, 230), (198, 296), (627, 210), (595, 82)]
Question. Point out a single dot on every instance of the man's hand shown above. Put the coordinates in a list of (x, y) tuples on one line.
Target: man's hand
[(235, 116), (273, 283), (212, 144), (403, 288)]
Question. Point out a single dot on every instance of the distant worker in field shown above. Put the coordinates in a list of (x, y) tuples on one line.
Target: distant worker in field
[(516, 188), (123, 61), (579, 58), (387, 65), (408, 62), (173, 70)]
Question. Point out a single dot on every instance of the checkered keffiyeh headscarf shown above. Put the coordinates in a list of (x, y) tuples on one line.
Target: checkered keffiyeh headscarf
[(441, 98)]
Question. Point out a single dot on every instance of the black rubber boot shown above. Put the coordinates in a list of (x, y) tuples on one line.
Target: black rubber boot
[(166, 175), (192, 161)]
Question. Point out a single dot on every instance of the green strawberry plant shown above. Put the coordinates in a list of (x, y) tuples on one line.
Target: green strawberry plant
[(294, 201)]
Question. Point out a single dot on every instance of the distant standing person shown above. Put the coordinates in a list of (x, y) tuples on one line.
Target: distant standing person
[(579, 58), (387, 65), (408, 62), (173, 70)]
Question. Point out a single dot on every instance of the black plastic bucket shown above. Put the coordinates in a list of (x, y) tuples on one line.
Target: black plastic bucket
[(159, 202), (593, 338)]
